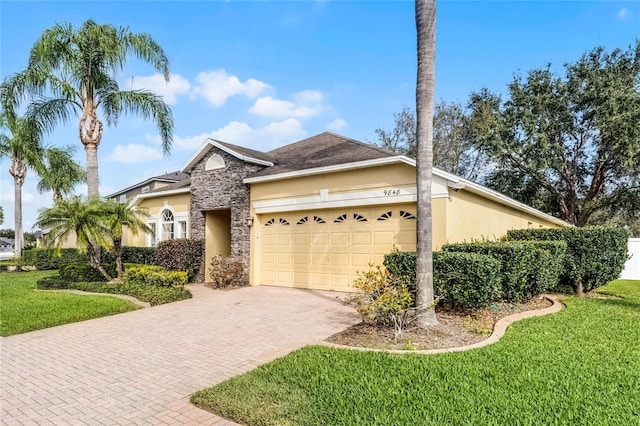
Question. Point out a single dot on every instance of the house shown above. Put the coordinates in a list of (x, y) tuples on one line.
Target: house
[(6, 248), (152, 184), (313, 213)]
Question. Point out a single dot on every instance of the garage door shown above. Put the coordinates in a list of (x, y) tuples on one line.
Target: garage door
[(324, 249)]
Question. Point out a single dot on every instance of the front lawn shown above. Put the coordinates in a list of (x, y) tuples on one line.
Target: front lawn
[(23, 309), (580, 366)]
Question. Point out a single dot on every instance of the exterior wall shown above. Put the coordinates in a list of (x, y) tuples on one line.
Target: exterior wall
[(178, 204), (470, 216), (218, 236), (223, 189)]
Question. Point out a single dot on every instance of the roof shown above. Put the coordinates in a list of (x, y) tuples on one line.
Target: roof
[(184, 183), (244, 154), (323, 150), (171, 177)]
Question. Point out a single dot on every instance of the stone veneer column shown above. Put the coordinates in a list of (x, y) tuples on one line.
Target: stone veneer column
[(223, 189)]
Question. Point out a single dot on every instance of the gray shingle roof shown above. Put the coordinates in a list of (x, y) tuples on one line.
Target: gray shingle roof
[(325, 149)]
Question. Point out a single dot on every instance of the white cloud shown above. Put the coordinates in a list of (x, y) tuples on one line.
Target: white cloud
[(623, 13), (307, 103), (177, 85), (336, 124), (238, 133), (217, 86), (134, 153)]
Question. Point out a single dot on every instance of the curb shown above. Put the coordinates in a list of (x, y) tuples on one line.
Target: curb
[(498, 331), (119, 296)]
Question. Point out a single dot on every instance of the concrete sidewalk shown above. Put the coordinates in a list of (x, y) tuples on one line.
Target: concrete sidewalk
[(141, 367)]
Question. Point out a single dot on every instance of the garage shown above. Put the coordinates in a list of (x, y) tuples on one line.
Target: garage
[(324, 249)]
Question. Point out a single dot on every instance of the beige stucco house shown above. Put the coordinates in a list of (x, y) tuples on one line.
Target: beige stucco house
[(313, 213)]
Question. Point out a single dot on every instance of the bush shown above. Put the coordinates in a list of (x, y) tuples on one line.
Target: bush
[(139, 255), (154, 275), (76, 272), (386, 299), (46, 259), (466, 280), (595, 255), (227, 271), (52, 282), (461, 281), (154, 295), (518, 264), (183, 254), (549, 266)]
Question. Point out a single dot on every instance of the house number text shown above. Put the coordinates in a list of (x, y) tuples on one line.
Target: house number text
[(390, 192)]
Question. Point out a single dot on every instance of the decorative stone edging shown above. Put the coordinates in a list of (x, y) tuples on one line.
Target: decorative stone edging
[(498, 331), (119, 296)]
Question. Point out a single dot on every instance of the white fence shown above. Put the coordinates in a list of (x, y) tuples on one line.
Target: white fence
[(632, 267)]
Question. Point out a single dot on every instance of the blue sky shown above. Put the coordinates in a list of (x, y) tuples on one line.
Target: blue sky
[(263, 74)]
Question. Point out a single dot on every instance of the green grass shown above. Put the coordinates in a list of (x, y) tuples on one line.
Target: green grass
[(23, 309), (578, 367)]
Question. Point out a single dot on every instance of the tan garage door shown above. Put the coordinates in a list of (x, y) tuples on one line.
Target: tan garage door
[(324, 249)]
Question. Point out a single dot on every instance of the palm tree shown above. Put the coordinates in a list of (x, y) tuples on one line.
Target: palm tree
[(119, 216), (23, 147), (79, 217), (60, 173), (77, 67), (426, 28)]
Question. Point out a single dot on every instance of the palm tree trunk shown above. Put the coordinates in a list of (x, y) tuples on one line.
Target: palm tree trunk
[(117, 251), (425, 25), (95, 260), (19, 171), (93, 181), (19, 234)]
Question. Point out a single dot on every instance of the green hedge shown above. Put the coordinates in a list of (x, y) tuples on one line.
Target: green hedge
[(154, 275), (549, 266), (45, 259), (77, 272), (152, 294), (183, 254), (518, 265), (595, 255), (461, 280)]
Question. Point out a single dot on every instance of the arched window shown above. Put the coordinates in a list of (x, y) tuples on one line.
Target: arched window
[(167, 225), (214, 162)]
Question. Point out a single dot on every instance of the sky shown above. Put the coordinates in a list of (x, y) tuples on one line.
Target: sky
[(264, 74)]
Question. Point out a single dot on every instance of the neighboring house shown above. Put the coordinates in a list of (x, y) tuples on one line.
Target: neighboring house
[(6, 244), (152, 184), (313, 213)]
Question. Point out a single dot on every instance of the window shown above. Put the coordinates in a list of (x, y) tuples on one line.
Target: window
[(183, 229), (359, 217), (340, 218), (123, 198), (152, 236), (215, 162), (385, 216), (167, 225), (303, 220), (145, 189)]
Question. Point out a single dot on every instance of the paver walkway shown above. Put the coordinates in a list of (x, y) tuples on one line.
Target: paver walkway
[(140, 367)]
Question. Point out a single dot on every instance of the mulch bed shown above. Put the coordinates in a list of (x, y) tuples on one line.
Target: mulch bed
[(455, 329)]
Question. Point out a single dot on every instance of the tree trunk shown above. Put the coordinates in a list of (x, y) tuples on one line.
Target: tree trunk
[(93, 181), (117, 251), (425, 25), (19, 171), (95, 260)]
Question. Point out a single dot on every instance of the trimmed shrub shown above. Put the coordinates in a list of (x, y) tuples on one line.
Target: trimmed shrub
[(550, 265), (182, 254), (46, 259), (466, 280), (227, 271), (53, 282), (154, 295), (595, 255), (77, 272), (154, 275), (518, 263), (139, 255), (461, 281)]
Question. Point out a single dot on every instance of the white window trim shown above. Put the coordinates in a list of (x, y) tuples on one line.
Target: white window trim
[(177, 218)]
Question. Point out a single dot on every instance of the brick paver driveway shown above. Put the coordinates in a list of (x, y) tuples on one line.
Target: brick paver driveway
[(141, 367)]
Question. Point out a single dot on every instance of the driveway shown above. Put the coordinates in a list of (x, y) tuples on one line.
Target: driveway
[(140, 367)]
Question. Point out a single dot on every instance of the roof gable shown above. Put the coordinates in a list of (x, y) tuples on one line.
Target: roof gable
[(244, 154)]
